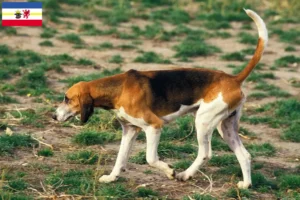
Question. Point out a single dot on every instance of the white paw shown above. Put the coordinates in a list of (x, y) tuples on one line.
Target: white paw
[(243, 185), (183, 176), (107, 178)]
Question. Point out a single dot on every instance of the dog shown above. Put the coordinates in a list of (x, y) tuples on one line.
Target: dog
[(149, 99)]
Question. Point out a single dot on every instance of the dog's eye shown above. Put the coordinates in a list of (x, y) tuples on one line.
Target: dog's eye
[(66, 99)]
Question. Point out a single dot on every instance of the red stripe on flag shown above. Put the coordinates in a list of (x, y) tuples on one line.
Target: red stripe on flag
[(22, 22)]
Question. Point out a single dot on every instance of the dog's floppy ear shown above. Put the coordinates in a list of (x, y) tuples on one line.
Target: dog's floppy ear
[(86, 107)]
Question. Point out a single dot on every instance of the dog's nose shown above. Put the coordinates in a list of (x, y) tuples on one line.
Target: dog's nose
[(54, 116)]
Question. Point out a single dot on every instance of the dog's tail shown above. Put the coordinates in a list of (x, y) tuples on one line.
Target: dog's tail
[(261, 44)]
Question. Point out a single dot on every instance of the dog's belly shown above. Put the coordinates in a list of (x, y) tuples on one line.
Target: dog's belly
[(182, 111)]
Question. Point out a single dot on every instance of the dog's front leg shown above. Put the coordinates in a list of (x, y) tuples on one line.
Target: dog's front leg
[(153, 136), (128, 137)]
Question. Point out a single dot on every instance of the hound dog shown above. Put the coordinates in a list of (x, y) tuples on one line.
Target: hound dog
[(149, 99)]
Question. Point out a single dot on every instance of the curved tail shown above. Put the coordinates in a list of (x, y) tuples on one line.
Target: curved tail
[(261, 44)]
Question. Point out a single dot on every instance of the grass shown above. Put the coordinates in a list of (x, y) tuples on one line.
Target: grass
[(288, 36), (71, 81), (237, 193), (286, 61), (269, 90), (71, 38), (223, 160), (48, 33), (247, 38), (151, 57), (114, 17), (239, 56), (199, 197), (231, 170), (265, 149), (84, 61), (83, 157), (9, 143), (146, 193), (90, 137), (292, 133), (118, 191), (139, 158), (17, 184), (216, 25), (261, 183), (290, 49), (116, 59), (291, 181), (4, 50), (171, 15), (46, 43), (7, 99), (193, 46), (183, 164), (254, 76), (30, 117), (46, 152)]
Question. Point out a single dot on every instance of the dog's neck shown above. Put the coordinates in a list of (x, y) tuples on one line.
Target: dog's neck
[(107, 91)]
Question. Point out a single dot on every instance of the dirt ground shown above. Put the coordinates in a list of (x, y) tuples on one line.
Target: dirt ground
[(28, 38)]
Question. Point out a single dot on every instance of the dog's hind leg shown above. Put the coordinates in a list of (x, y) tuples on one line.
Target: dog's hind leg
[(228, 128), (208, 117), (128, 137), (153, 136)]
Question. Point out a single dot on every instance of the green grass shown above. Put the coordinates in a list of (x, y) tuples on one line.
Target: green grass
[(270, 90), (9, 30), (4, 50), (292, 133), (46, 152), (78, 182), (90, 137), (233, 193), (9, 143), (71, 38), (151, 57), (223, 160), (83, 157), (247, 38), (46, 43), (286, 61), (116, 59), (7, 99), (239, 56), (48, 33), (291, 181), (171, 15), (183, 164), (71, 81), (290, 49), (254, 76), (199, 197), (216, 25), (218, 144), (17, 184), (31, 117), (106, 45), (288, 36), (231, 170), (195, 46), (84, 61), (261, 183), (170, 150), (222, 34), (265, 149), (146, 193), (139, 158), (118, 191), (115, 16)]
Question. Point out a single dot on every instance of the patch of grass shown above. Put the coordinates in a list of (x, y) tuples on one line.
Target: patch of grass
[(48, 33), (78, 182), (169, 150), (216, 25), (14, 196), (246, 132), (4, 50), (254, 76), (231, 170), (29, 117), (233, 193), (151, 57), (116, 59), (17, 184), (114, 17), (106, 45), (261, 183), (193, 46), (222, 34), (71, 38), (183, 164), (289, 181), (265, 149), (46, 43), (290, 48), (7, 99), (292, 133), (171, 15), (46, 152), (291, 36), (271, 90), (9, 30), (90, 137), (286, 61), (199, 197), (246, 27), (247, 38), (84, 61), (126, 46), (223, 160), (239, 56), (71, 81), (9, 143), (139, 158), (118, 191), (146, 192), (83, 157), (219, 145)]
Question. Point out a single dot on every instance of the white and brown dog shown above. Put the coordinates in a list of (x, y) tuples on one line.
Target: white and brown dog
[(148, 99)]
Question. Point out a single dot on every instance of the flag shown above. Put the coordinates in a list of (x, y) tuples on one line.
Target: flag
[(21, 13)]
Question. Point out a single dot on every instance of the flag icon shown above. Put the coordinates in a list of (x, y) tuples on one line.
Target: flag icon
[(22, 14)]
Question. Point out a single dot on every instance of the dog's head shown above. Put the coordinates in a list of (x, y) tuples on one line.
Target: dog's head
[(77, 100)]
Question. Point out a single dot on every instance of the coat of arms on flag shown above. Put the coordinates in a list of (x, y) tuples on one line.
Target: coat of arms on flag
[(21, 13)]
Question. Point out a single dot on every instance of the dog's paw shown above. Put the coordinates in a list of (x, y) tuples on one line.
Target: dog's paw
[(243, 185), (107, 178), (183, 176), (172, 174)]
